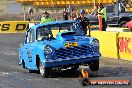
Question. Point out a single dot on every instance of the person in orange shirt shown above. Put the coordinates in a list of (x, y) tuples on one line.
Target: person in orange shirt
[(102, 12)]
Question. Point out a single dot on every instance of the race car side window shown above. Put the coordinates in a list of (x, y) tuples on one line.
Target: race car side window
[(27, 37), (30, 36), (43, 33)]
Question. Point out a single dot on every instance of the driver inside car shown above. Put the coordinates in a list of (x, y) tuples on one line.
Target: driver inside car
[(44, 33)]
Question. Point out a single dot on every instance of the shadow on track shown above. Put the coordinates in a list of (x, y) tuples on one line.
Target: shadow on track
[(74, 74)]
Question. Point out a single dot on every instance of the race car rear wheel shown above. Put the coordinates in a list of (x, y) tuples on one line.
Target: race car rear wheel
[(23, 64), (43, 71), (94, 65)]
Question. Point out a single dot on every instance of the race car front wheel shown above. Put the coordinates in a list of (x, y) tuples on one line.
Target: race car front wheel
[(43, 70), (94, 65)]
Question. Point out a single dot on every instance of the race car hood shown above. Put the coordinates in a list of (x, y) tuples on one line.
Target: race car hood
[(68, 39)]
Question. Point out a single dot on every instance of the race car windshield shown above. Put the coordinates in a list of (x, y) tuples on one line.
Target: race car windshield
[(47, 32), (72, 27), (44, 33)]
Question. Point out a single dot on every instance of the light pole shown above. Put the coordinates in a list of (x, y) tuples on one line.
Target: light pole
[(24, 8), (94, 3), (55, 2)]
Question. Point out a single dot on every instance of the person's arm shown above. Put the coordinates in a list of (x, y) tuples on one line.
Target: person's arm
[(88, 23), (77, 19), (64, 13), (88, 28), (102, 11), (41, 20)]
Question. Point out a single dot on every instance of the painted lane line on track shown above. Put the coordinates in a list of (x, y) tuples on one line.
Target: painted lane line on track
[(7, 52), (7, 73)]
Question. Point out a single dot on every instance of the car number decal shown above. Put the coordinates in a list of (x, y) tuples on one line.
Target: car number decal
[(71, 44), (29, 54)]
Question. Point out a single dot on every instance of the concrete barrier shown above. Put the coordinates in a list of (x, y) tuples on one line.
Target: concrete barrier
[(125, 45), (108, 43), (117, 29), (115, 44)]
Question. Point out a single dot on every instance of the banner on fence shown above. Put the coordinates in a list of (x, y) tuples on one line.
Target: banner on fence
[(13, 26)]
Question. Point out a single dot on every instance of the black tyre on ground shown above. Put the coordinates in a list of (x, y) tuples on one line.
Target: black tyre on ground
[(23, 64), (44, 71), (94, 66), (24, 67)]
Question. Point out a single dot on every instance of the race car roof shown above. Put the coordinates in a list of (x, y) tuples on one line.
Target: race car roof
[(52, 23)]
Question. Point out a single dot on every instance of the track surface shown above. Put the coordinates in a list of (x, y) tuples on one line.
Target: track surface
[(13, 76)]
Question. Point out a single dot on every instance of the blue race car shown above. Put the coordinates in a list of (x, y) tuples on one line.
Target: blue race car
[(55, 45)]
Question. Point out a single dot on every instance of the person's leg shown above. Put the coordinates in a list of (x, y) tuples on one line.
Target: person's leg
[(103, 24)]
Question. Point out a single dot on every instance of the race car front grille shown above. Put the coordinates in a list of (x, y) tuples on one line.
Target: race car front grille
[(72, 52)]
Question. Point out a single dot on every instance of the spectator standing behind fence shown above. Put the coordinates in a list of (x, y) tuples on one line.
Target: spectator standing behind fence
[(95, 12), (84, 22), (46, 18), (102, 12), (73, 14), (65, 14), (30, 11)]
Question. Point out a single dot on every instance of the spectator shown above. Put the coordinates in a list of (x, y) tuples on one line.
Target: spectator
[(95, 12), (30, 11), (102, 12), (84, 22), (65, 14), (46, 18), (73, 14)]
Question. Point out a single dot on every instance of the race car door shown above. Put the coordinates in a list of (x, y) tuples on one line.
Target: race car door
[(29, 46)]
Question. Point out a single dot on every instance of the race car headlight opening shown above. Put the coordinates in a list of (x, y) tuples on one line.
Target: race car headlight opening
[(95, 42), (48, 49)]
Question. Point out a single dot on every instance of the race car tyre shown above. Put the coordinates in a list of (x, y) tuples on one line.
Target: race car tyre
[(23, 64), (24, 67), (122, 24), (30, 71), (94, 66), (75, 68), (43, 71)]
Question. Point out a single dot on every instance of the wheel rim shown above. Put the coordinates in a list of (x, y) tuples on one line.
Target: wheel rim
[(42, 70)]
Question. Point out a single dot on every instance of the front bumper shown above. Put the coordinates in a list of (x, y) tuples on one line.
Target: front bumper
[(71, 61)]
